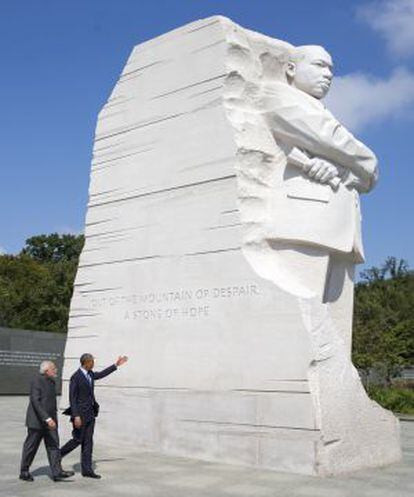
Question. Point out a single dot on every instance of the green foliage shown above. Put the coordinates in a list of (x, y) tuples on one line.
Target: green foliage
[(383, 335), (399, 400), (53, 247), (36, 285)]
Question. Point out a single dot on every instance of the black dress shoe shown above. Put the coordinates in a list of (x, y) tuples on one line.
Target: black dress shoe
[(91, 475), (58, 478), (66, 474), (26, 476)]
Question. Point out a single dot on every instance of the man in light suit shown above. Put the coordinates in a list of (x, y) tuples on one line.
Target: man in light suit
[(41, 422), (315, 229), (84, 409)]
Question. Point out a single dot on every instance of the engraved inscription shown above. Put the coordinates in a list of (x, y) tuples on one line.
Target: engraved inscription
[(26, 358), (182, 303)]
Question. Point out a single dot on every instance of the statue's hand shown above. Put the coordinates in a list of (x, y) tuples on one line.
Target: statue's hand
[(353, 182), (321, 170)]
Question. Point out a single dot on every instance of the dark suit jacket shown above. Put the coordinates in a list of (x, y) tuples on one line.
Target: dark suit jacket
[(42, 403), (81, 393)]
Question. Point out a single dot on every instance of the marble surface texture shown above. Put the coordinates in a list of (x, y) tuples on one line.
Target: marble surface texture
[(206, 260)]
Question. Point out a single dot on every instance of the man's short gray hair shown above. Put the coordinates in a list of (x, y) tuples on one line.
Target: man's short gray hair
[(85, 357), (45, 365)]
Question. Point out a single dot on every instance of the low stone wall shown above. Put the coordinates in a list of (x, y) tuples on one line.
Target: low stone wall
[(21, 352)]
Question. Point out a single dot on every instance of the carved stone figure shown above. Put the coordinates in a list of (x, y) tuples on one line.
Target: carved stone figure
[(221, 234), (317, 231)]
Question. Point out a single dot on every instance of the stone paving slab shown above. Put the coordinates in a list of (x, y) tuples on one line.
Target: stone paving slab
[(150, 475)]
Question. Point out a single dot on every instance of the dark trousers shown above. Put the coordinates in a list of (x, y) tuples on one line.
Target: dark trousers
[(82, 436), (31, 444)]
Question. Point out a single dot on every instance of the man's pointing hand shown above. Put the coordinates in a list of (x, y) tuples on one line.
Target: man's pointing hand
[(122, 359)]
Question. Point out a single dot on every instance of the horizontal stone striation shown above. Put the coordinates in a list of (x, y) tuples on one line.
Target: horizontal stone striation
[(225, 367)]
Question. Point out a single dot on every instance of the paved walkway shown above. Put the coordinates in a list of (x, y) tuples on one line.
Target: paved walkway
[(149, 475)]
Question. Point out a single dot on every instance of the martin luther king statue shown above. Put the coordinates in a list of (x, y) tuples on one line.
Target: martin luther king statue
[(217, 166), (317, 222)]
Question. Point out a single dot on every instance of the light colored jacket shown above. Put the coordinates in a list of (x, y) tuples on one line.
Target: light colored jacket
[(305, 211)]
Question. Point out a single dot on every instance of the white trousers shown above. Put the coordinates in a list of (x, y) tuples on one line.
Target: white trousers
[(316, 272)]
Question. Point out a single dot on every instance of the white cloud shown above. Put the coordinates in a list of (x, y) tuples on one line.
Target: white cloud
[(2, 250), (358, 99), (394, 20)]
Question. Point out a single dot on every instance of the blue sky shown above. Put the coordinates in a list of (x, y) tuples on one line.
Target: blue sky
[(60, 59)]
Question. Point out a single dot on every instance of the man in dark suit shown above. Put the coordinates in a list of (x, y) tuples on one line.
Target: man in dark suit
[(41, 422), (84, 409)]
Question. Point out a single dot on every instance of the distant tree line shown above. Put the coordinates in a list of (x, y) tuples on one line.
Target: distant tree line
[(36, 287), (383, 334), (383, 330)]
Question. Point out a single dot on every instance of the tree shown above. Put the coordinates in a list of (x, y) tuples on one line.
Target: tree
[(384, 319), (54, 247), (36, 285)]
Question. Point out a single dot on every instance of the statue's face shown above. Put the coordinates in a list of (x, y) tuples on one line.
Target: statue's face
[(313, 72)]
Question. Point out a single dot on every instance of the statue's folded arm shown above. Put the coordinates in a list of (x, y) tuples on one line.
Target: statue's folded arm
[(313, 128)]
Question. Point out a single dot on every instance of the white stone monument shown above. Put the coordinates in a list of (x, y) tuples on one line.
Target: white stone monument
[(222, 231)]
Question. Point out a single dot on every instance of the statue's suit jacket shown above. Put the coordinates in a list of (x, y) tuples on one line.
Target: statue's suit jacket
[(303, 210)]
